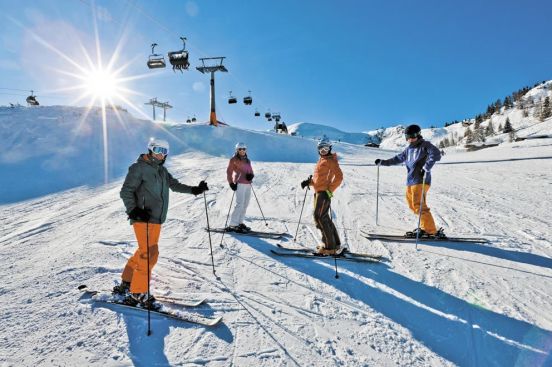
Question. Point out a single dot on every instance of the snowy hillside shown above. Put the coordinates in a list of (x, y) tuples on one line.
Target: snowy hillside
[(47, 149), (448, 304), (315, 131)]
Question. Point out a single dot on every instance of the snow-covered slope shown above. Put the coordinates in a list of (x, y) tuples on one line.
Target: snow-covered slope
[(46, 149), (447, 304), (315, 131)]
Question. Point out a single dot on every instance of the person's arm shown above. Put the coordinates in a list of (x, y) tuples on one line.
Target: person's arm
[(230, 172), (433, 155), (337, 177), (398, 159), (176, 186), (133, 179)]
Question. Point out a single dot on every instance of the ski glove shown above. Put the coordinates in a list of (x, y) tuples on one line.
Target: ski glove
[(199, 189), (305, 183), (233, 186), (378, 162), (329, 193), (139, 214), (249, 177)]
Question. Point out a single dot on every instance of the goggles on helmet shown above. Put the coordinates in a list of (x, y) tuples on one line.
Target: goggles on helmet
[(160, 150)]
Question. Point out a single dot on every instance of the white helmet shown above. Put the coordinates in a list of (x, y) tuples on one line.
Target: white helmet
[(324, 143), (158, 146), (240, 145)]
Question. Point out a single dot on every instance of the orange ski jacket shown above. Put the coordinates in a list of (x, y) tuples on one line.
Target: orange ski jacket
[(327, 174)]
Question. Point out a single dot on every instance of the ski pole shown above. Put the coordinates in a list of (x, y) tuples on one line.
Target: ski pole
[(420, 209), (335, 262), (209, 233), (377, 195), (148, 254), (301, 214), (226, 223), (266, 224)]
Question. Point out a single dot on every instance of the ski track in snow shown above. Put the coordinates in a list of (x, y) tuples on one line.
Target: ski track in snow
[(447, 304)]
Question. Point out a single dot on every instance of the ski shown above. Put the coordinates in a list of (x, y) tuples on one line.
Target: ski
[(164, 311), (402, 238), (345, 252), (165, 299), (345, 255), (271, 235)]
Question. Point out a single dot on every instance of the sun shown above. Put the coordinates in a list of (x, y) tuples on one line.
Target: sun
[(101, 84)]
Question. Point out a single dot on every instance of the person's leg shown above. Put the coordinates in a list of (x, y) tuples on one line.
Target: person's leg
[(246, 199), (426, 221), (238, 207), (145, 234), (324, 221)]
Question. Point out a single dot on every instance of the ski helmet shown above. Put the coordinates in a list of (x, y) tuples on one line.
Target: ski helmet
[(240, 145), (412, 131), (324, 143), (158, 146)]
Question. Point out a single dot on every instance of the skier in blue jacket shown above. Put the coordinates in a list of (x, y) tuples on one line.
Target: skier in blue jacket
[(419, 158)]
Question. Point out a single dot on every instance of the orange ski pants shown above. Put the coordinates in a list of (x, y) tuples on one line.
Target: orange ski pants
[(413, 196), (136, 270)]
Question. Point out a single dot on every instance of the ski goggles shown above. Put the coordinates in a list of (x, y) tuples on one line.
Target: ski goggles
[(160, 150), (324, 150), (411, 136), (242, 149)]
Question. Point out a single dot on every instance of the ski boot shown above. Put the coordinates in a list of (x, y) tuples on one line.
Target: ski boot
[(321, 250), (236, 229), (121, 289), (244, 227), (418, 232), (135, 299), (440, 234)]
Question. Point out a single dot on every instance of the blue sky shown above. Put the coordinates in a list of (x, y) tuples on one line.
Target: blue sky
[(354, 65)]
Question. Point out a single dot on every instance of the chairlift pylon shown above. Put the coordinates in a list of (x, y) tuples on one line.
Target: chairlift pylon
[(31, 100), (248, 100), (155, 61), (232, 99), (179, 59)]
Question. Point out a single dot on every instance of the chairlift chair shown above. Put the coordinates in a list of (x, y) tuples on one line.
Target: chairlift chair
[(269, 119), (257, 114), (248, 100), (188, 121), (194, 119), (268, 115), (179, 59), (155, 61), (232, 99), (31, 100)]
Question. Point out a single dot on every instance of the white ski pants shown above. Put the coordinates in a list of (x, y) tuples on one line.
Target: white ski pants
[(243, 195)]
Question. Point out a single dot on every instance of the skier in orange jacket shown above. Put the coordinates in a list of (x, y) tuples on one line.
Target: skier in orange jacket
[(326, 179)]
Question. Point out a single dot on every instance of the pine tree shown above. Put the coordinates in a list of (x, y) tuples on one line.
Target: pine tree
[(512, 136), (507, 126), (442, 144), (546, 109), (500, 128), (490, 129), (469, 136)]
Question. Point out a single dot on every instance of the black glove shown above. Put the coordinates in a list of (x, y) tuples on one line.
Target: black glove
[(234, 186), (305, 183), (249, 177), (422, 172), (378, 162), (139, 214), (199, 189)]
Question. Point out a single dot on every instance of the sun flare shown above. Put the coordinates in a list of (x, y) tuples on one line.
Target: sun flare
[(102, 85)]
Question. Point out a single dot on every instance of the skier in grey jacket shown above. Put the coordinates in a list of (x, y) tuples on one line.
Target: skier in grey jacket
[(145, 194)]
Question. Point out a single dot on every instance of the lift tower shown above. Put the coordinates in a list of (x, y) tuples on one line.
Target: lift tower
[(213, 65)]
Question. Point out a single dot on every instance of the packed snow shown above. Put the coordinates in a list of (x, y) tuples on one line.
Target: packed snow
[(446, 304)]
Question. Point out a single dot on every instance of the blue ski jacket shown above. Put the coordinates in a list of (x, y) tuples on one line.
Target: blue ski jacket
[(418, 155)]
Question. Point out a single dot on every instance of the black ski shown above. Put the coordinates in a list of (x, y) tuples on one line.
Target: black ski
[(165, 311), (402, 238), (271, 235), (310, 254)]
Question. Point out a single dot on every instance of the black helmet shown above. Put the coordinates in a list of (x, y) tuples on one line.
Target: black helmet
[(412, 131)]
